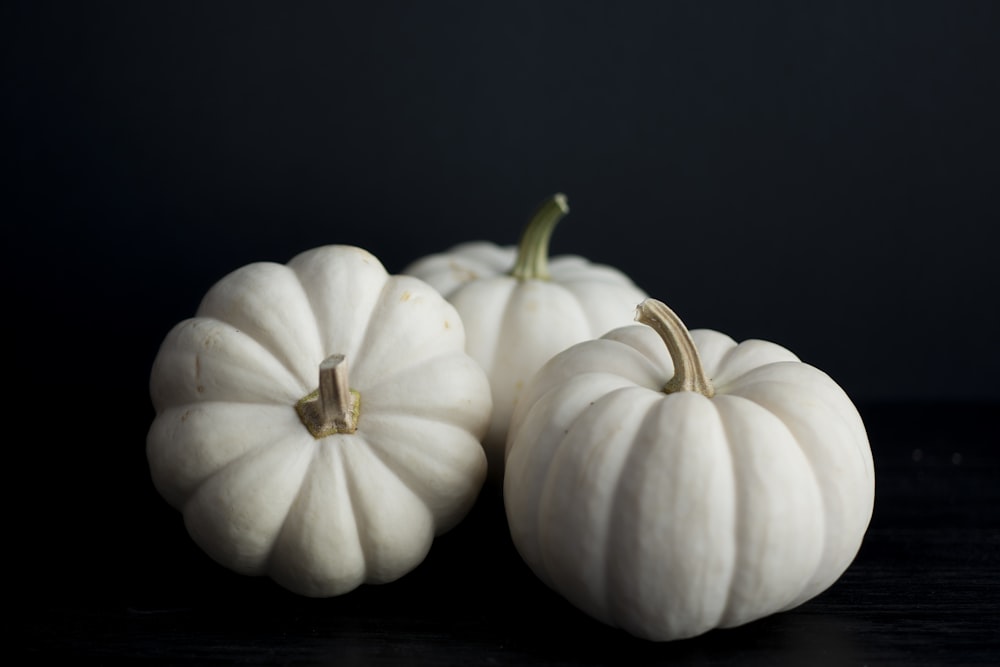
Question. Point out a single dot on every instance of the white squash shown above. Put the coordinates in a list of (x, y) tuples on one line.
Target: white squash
[(286, 464), (521, 307), (669, 502)]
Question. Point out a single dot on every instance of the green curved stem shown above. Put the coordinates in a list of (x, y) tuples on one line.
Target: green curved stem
[(533, 249), (689, 375)]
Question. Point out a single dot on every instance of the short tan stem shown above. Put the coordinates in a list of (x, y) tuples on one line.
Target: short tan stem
[(689, 375), (533, 250), (333, 407)]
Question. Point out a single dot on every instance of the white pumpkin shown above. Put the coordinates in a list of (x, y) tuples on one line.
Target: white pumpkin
[(286, 464), (521, 307), (669, 502)]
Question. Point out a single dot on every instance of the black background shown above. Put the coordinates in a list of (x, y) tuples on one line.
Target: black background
[(821, 175)]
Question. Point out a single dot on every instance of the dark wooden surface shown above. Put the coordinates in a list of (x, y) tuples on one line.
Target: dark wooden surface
[(109, 576)]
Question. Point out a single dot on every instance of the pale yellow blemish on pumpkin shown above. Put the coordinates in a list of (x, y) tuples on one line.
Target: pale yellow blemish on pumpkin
[(462, 274), (406, 296)]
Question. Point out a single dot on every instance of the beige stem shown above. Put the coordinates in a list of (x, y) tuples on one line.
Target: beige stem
[(689, 375), (333, 407)]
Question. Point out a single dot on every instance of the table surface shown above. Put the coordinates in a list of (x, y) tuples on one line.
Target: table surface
[(113, 579)]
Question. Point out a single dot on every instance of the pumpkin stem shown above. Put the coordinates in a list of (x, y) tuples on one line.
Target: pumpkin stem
[(333, 407), (533, 249), (689, 375)]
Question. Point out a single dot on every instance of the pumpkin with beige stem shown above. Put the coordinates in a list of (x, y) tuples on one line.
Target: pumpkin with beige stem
[(319, 422), (669, 482), (520, 307)]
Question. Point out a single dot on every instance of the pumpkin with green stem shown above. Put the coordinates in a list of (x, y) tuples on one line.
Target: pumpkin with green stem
[(520, 307)]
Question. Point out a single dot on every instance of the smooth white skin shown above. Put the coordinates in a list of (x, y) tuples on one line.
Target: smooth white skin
[(258, 492), (514, 326), (668, 515)]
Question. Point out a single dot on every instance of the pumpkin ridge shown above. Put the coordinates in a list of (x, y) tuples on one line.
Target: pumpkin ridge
[(403, 475), (841, 416), (855, 426), (239, 460), (582, 274), (161, 451), (610, 589), (233, 468), (547, 484), (505, 317), (379, 567), (310, 301), (311, 470), (412, 482), (364, 344), (738, 489), (805, 593), (254, 328), (309, 274), (284, 522), (351, 493), (184, 344), (432, 419), (720, 365), (586, 314)]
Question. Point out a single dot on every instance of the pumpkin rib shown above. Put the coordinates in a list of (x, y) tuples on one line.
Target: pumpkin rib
[(428, 488), (444, 405), (532, 459), (812, 586), (205, 527), (384, 565), (640, 340), (543, 547), (579, 291), (257, 322), (738, 491), (860, 437), (395, 336), (177, 373), (582, 273), (310, 302), (735, 357), (322, 465), (332, 272), (451, 270), (363, 337), (402, 474), (610, 602), (806, 468), (239, 461), (714, 365), (637, 618), (512, 329), (351, 495), (490, 258), (162, 448), (489, 365)]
